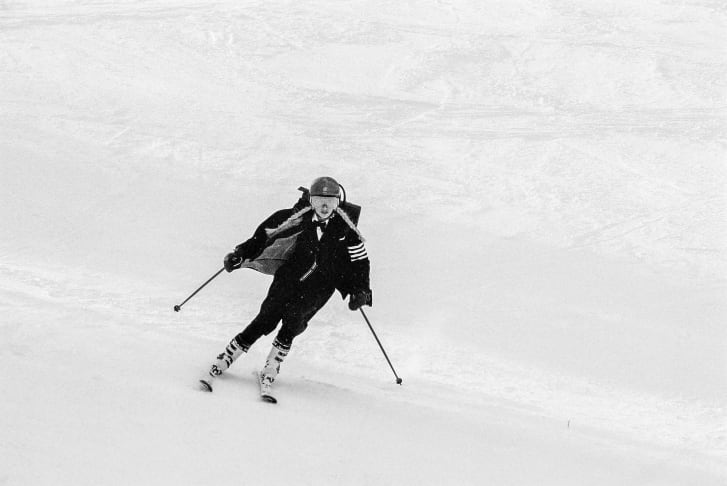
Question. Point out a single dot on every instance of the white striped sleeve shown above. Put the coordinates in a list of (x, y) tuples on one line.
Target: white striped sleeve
[(357, 252)]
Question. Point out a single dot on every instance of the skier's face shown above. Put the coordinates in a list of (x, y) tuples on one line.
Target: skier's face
[(324, 205)]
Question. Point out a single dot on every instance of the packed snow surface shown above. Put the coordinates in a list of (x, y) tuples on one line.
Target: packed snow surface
[(544, 193)]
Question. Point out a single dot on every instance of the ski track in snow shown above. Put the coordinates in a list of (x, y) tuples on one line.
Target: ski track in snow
[(575, 150)]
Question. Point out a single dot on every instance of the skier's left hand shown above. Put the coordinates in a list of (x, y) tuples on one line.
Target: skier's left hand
[(360, 298)]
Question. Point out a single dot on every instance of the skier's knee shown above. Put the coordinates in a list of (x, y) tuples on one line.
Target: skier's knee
[(290, 331)]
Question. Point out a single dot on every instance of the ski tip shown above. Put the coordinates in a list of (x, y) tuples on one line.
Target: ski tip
[(269, 399), (205, 386)]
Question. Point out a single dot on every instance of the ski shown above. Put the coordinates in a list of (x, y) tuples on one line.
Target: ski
[(265, 394), (205, 385)]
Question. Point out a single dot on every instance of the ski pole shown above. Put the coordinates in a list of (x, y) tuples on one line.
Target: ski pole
[(398, 380), (179, 306)]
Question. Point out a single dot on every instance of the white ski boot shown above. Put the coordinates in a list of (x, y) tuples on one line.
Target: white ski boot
[(224, 361), (270, 371)]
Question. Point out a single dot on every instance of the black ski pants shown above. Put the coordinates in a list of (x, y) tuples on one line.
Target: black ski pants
[(292, 302)]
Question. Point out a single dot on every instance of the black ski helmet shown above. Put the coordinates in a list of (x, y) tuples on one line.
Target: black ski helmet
[(325, 186)]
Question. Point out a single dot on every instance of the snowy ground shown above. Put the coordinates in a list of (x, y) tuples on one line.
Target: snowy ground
[(544, 192)]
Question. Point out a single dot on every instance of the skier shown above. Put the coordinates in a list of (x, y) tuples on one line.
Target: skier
[(312, 250)]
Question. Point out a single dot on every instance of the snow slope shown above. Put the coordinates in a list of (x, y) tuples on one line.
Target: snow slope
[(543, 186)]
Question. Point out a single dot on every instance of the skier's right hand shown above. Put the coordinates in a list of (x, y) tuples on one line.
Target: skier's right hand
[(232, 261)]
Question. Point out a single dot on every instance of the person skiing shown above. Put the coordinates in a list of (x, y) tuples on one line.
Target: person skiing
[(312, 250)]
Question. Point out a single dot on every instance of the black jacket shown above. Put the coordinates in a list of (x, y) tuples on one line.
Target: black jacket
[(294, 253)]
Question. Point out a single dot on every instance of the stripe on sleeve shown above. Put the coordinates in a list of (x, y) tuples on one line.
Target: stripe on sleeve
[(357, 252)]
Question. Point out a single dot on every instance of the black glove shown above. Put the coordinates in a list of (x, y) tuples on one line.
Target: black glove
[(359, 298), (232, 261)]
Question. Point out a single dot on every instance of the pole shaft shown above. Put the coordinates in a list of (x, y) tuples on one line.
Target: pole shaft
[(177, 307), (398, 380)]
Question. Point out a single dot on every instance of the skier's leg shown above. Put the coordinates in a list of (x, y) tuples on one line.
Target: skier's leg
[(295, 321), (271, 312), (264, 323)]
